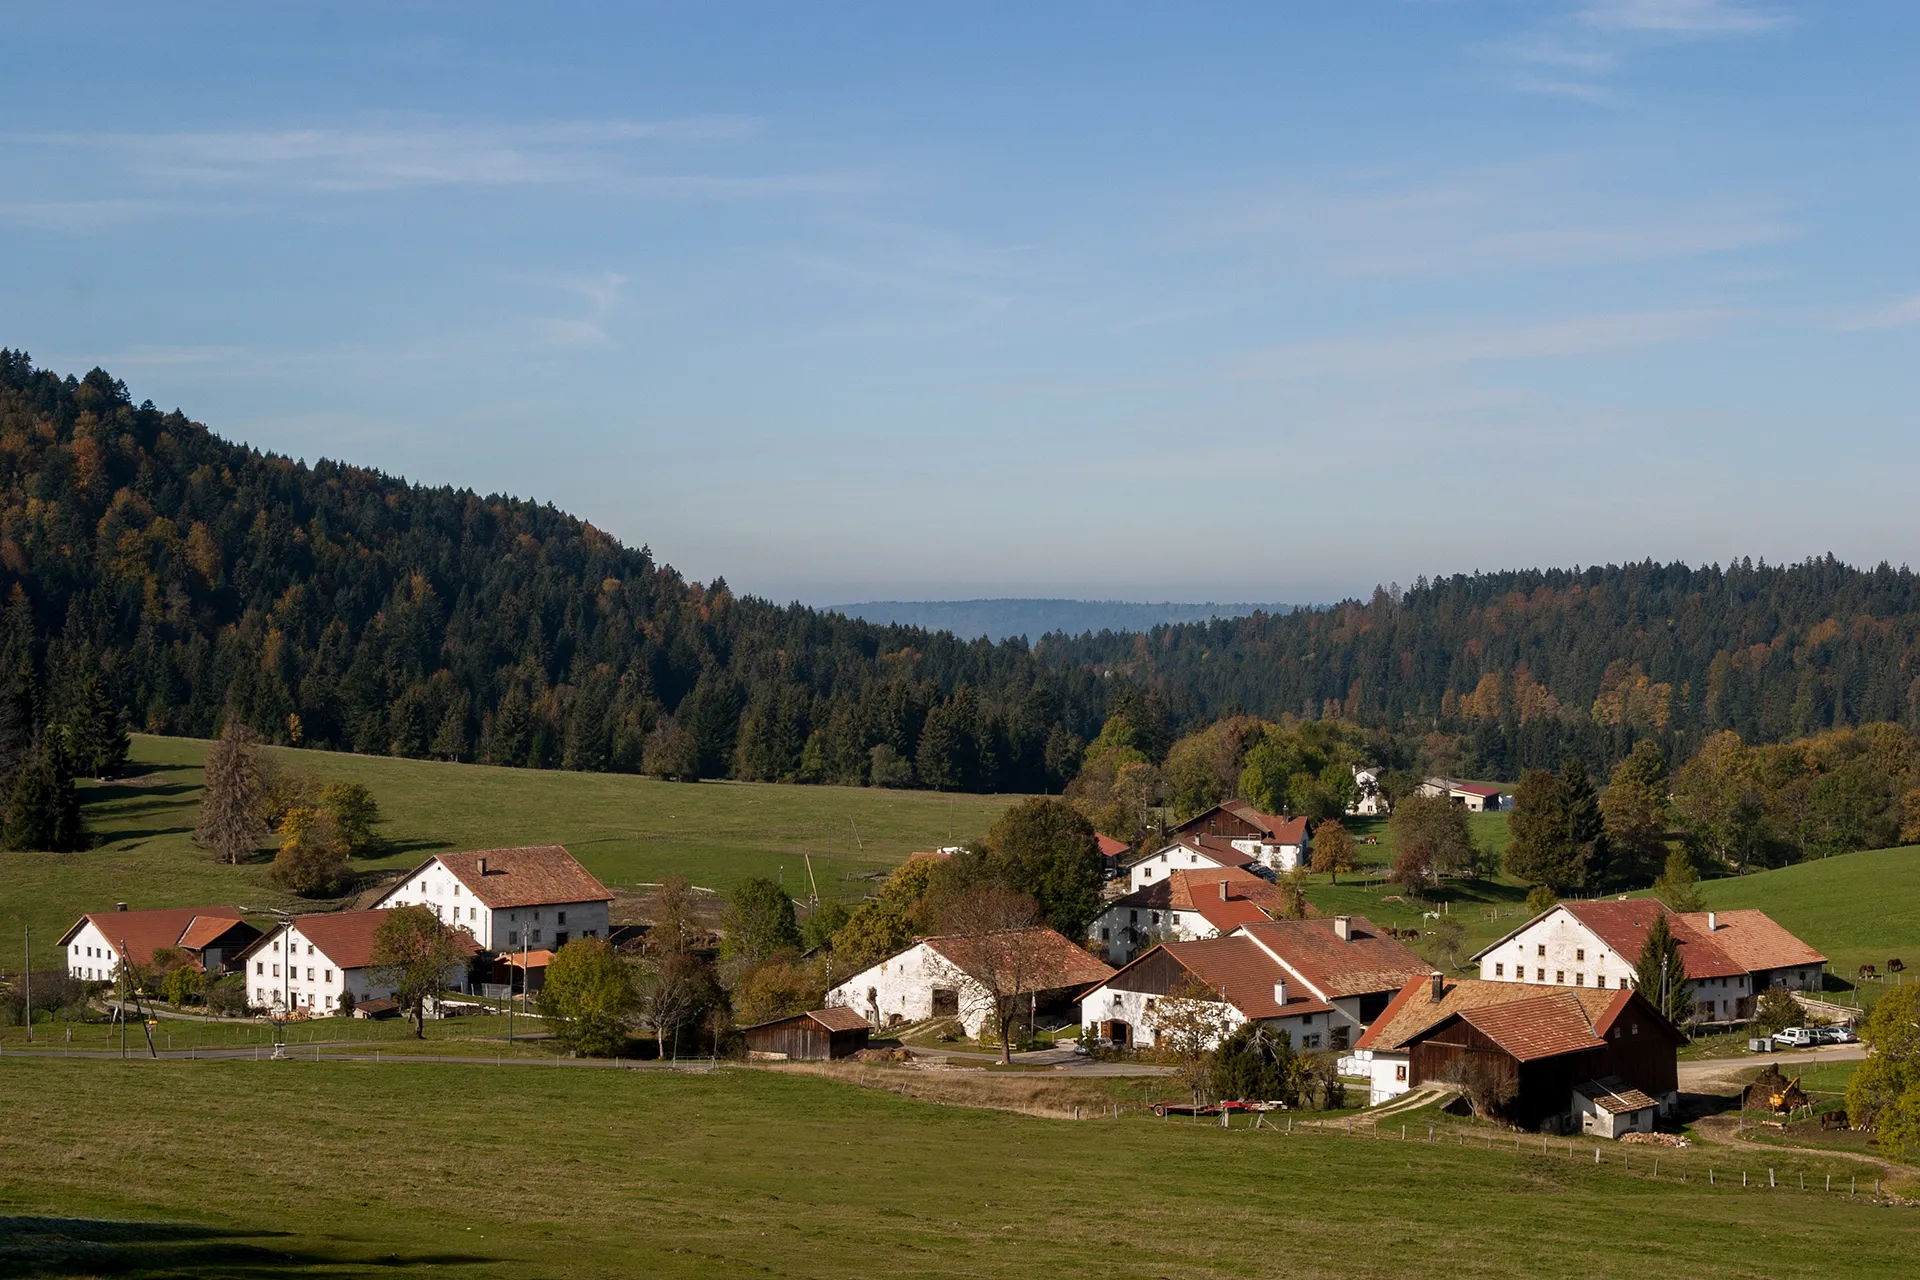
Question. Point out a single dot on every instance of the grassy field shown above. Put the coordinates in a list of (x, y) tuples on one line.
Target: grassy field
[(627, 830), (1857, 908), (475, 1171)]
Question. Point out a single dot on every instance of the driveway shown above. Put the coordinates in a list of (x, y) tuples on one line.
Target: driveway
[(1722, 1075)]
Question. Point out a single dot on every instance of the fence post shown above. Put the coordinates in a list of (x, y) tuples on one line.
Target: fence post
[(1596, 1155), (1770, 1181), (1403, 1133)]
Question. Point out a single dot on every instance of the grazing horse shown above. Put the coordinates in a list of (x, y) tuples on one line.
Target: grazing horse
[(1896, 966), (1866, 971)]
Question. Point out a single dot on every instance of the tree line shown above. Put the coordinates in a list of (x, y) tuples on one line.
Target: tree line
[(196, 582)]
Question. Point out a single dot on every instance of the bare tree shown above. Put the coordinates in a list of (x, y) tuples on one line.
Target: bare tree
[(992, 931), (1188, 1024), (231, 822), (1481, 1082)]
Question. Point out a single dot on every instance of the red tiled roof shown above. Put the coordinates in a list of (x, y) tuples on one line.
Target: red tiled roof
[(145, 932), (839, 1018), (1109, 847), (1477, 789), (1546, 1026), (1414, 1011), (1036, 959), (530, 876), (206, 930), (347, 937), (1623, 926), (1218, 848), (1197, 889), (1368, 962), (1612, 1093), (1752, 940), (1279, 830), (1244, 976)]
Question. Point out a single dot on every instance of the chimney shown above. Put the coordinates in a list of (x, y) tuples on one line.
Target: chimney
[(1713, 921), (119, 906), (1439, 986), (1223, 891), (483, 866), (1343, 928), (1280, 992)]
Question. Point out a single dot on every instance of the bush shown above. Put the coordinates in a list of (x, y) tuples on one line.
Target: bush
[(181, 986), (227, 996), (348, 1002), (588, 994), (1540, 898)]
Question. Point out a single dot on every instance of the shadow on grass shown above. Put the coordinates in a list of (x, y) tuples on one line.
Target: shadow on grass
[(124, 798), (94, 1247)]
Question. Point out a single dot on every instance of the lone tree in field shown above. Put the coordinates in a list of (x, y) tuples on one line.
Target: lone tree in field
[(1433, 838), (412, 952), (231, 823), (354, 812), (1661, 975), (759, 921), (588, 994), (1332, 849)]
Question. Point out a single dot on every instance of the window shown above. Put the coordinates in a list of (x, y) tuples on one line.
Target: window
[(456, 888), (1560, 977), (1116, 997), (276, 971), (1499, 971), (1147, 874), (1133, 915), (513, 937), (1579, 979), (1636, 1028), (1306, 1020), (1599, 979), (1104, 937), (1539, 975), (1542, 949), (329, 1002), (563, 918), (473, 913), (1400, 1072), (260, 967), (1309, 1042), (327, 976), (276, 944), (309, 973), (1579, 953)]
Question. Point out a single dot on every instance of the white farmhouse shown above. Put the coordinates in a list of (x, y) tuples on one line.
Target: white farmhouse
[(1474, 797), (1276, 843), (1189, 853), (1729, 957), (943, 977), (210, 937), (1322, 981), (1186, 905), (537, 896), (1373, 801), (308, 962)]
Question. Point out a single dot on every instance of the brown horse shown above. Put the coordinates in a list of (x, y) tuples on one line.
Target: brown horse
[(1866, 971), (1896, 965)]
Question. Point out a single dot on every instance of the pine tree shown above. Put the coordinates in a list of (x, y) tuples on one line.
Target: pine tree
[(43, 809), (231, 823), (1661, 975), (97, 742)]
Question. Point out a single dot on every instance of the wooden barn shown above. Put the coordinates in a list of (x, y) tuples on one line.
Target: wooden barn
[(1546, 1042), (809, 1037)]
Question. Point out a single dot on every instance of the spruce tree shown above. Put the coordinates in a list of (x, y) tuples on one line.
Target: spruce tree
[(231, 823), (43, 809), (1661, 975), (97, 742)]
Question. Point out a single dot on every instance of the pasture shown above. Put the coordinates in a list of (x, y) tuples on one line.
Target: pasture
[(138, 1169), (628, 830)]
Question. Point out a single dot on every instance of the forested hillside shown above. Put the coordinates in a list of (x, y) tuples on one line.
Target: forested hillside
[(333, 606)]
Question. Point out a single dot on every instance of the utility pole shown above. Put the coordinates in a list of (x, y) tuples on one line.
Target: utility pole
[(123, 999), (28, 1010)]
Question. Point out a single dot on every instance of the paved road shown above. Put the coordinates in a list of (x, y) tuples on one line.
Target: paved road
[(1721, 1075)]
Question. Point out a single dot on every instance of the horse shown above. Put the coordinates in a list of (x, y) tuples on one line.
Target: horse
[(1866, 971), (1896, 965)]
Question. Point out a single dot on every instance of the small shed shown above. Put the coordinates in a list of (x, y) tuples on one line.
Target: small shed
[(809, 1037), (383, 1007), (522, 971), (1608, 1107)]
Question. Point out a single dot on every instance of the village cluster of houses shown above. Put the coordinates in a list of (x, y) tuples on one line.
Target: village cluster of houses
[(1555, 1011), (511, 909)]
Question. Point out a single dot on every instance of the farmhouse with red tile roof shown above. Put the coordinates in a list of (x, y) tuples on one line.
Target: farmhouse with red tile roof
[(536, 896), (211, 937), (1729, 957), (308, 962), (1204, 902)]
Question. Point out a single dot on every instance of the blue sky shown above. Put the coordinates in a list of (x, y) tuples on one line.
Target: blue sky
[(846, 301)]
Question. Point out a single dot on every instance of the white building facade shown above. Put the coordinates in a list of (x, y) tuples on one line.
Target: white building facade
[(508, 899)]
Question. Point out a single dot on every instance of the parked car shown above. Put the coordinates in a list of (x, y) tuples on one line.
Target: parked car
[(1838, 1035), (1797, 1037)]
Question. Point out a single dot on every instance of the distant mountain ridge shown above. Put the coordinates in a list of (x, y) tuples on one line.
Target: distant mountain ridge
[(1001, 618)]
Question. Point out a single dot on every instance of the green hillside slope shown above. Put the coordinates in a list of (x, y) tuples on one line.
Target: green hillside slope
[(626, 829), (1858, 908)]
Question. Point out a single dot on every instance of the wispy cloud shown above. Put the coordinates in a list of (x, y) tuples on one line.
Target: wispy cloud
[(600, 293), (1576, 55), (81, 215), (1694, 17), (1892, 315), (1441, 348), (392, 156), (1515, 218)]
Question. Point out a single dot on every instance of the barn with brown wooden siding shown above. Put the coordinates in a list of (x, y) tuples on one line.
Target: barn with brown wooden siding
[(1544, 1042), (809, 1037)]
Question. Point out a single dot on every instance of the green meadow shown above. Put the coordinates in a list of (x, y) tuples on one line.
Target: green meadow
[(629, 831), (143, 1169)]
